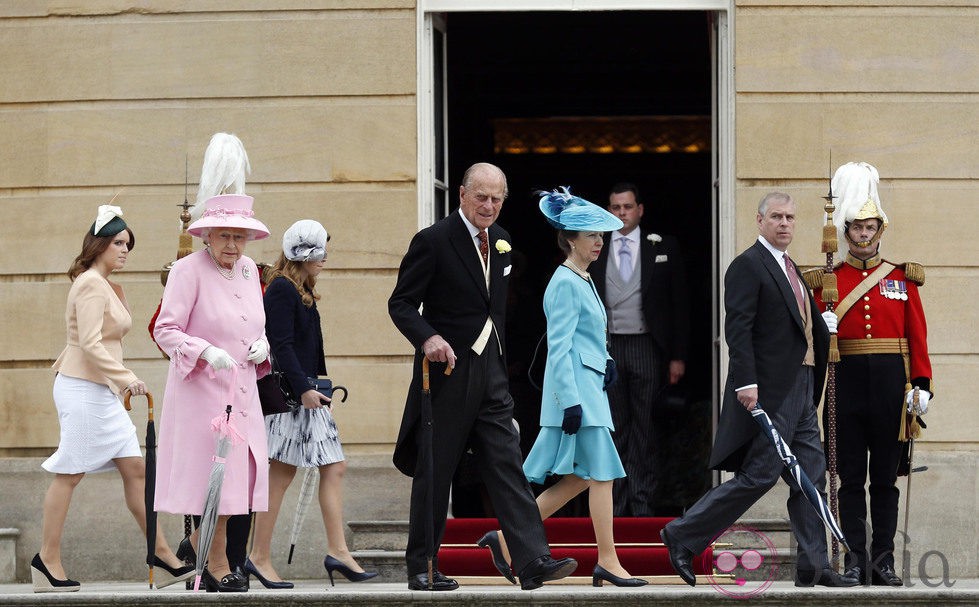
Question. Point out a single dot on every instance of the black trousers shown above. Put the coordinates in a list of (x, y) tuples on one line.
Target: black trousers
[(795, 419), (642, 444), (473, 408), (869, 404)]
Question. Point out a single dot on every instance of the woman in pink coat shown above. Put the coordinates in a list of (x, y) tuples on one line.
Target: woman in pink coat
[(212, 326)]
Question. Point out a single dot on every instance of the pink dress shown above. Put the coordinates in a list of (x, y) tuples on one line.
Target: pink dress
[(202, 308)]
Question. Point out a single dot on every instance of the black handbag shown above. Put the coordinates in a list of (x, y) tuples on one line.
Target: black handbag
[(274, 394)]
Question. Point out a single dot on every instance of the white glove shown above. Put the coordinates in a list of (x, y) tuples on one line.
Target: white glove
[(923, 397), (218, 358), (831, 321), (258, 352)]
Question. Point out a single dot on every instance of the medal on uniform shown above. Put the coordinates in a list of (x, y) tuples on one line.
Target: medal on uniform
[(894, 289)]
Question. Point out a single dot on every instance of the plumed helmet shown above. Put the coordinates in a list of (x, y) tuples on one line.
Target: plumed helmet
[(855, 187)]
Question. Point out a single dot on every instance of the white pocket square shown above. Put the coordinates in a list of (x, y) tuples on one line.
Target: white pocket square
[(662, 259), (506, 270)]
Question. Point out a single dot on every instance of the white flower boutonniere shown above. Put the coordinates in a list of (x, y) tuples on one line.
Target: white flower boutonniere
[(654, 238), (502, 246)]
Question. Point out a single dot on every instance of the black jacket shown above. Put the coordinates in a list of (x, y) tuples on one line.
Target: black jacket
[(294, 334), (442, 271), (766, 346)]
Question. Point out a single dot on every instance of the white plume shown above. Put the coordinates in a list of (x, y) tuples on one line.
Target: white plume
[(224, 170)]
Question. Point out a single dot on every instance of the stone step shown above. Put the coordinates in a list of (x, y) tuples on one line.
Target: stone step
[(378, 535)]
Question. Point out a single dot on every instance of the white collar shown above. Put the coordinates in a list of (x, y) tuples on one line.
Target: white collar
[(473, 230), (633, 236), (778, 255)]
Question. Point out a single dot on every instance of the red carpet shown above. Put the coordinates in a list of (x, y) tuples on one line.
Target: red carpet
[(637, 541)]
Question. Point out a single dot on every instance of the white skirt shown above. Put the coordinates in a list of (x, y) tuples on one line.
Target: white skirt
[(307, 438), (95, 428)]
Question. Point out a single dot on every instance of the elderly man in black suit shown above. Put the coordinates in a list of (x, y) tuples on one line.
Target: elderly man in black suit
[(778, 345), (641, 278), (457, 271)]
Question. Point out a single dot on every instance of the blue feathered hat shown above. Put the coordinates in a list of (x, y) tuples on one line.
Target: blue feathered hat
[(565, 211)]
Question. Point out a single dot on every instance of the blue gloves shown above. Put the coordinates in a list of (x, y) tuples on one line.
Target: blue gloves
[(611, 374), (572, 420)]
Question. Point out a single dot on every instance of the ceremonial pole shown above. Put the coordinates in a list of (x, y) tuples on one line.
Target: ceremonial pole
[(831, 295)]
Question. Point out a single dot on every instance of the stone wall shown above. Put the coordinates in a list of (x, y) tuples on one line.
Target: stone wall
[(115, 98)]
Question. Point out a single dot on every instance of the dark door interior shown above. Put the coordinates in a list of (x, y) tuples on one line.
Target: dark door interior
[(587, 99)]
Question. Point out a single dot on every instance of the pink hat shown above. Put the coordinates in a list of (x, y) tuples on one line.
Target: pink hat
[(230, 211)]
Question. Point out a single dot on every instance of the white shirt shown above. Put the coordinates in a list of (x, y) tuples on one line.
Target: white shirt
[(480, 344)]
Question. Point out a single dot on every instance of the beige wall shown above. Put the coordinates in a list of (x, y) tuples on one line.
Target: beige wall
[(113, 97), (896, 87)]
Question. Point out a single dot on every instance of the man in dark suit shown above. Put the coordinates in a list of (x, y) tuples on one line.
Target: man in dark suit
[(457, 271), (778, 345), (641, 278)]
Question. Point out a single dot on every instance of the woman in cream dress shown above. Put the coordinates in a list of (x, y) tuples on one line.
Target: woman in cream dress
[(96, 433)]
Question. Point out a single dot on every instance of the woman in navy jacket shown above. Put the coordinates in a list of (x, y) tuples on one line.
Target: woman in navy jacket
[(307, 437)]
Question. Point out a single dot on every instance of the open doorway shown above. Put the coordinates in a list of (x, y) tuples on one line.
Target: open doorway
[(587, 99)]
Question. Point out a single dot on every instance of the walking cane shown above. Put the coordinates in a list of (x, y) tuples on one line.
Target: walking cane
[(830, 295)]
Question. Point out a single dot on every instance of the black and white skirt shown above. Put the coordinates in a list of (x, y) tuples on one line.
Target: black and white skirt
[(307, 438)]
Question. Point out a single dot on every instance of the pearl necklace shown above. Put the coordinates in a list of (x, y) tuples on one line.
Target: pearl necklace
[(576, 269), (227, 273)]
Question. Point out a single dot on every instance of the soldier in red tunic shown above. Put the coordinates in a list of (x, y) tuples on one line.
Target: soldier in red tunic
[(883, 359)]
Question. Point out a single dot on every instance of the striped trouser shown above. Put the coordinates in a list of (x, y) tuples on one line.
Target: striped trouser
[(631, 398)]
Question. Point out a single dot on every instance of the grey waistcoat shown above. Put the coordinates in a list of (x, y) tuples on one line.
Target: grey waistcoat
[(624, 301)]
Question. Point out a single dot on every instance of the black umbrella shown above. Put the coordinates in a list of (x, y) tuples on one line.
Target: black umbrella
[(149, 489), (808, 489), (425, 452)]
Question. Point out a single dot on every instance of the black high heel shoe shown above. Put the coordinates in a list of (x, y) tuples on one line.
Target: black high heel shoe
[(600, 574), (43, 581), (185, 552), (332, 565), (232, 582), (170, 575), (492, 541), (251, 569)]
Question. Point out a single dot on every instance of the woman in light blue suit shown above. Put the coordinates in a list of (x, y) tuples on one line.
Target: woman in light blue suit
[(575, 440)]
